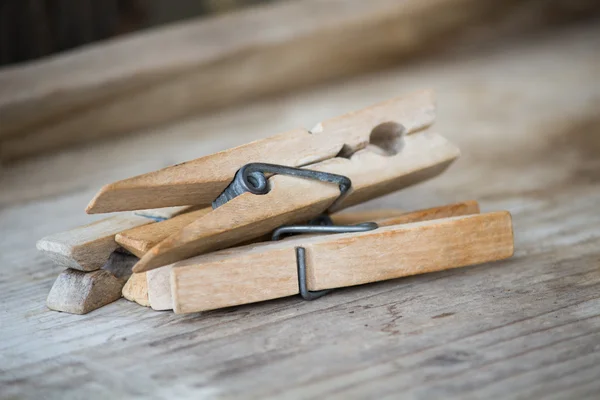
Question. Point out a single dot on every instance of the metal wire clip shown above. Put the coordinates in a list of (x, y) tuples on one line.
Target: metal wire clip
[(251, 178), (301, 251)]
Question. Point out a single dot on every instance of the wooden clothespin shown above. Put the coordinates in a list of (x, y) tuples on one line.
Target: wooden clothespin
[(200, 181), (95, 248), (153, 288), (96, 269), (312, 265), (88, 247), (347, 160), (245, 194)]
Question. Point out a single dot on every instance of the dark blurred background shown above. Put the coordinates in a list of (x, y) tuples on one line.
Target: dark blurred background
[(30, 29), (34, 28)]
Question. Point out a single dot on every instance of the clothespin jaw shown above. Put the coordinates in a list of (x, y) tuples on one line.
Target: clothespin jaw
[(200, 181), (266, 271)]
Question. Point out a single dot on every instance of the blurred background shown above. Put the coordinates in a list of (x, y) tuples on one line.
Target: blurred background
[(35, 28), (76, 73)]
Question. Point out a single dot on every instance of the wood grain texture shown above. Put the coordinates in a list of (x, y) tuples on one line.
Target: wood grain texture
[(241, 276), (387, 217), (356, 217), (122, 85), (200, 181), (79, 292), (141, 239), (159, 285), (333, 261), (402, 250), (136, 289), (88, 247), (447, 211), (292, 200), (526, 119)]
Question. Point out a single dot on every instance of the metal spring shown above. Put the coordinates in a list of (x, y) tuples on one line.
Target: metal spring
[(301, 251), (251, 178)]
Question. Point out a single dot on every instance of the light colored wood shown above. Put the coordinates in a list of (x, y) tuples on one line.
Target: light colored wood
[(136, 289), (78, 292), (161, 286), (117, 86), (423, 156), (200, 285), (156, 292), (356, 217), (141, 239), (292, 200), (262, 272), (525, 328), (409, 249), (447, 211), (88, 247), (200, 181)]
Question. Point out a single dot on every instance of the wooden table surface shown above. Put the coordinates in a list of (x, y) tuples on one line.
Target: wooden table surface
[(527, 118)]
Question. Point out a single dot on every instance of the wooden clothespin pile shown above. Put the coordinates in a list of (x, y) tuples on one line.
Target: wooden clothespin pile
[(212, 231)]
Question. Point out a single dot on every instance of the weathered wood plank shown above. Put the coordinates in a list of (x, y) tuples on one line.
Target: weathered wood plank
[(79, 292), (87, 248), (524, 328), (115, 87)]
